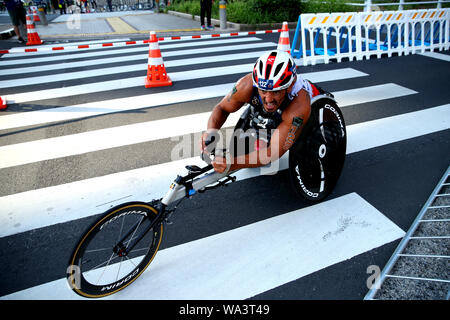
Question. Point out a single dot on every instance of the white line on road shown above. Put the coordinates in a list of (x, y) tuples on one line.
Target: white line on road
[(252, 259), (94, 44), (86, 54), (436, 55), (124, 58), (321, 76), (138, 58), (38, 208), (63, 146), (159, 99), (124, 83)]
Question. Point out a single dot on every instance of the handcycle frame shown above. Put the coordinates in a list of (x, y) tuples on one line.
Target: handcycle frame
[(180, 188)]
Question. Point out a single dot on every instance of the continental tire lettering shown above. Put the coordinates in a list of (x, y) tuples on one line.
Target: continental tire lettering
[(119, 283), (123, 214), (332, 109), (309, 193)]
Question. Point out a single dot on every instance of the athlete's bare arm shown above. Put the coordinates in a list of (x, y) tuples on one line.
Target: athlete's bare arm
[(232, 102), (293, 120)]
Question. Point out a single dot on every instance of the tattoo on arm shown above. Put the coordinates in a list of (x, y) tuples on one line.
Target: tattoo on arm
[(232, 93), (296, 123)]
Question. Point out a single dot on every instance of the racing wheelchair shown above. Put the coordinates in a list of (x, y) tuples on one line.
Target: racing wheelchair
[(117, 248)]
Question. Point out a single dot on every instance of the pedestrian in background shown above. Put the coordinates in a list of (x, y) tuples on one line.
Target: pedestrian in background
[(55, 4), (70, 6), (62, 7), (17, 14), (205, 9)]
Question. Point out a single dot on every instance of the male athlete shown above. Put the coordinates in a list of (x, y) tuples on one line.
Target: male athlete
[(280, 103)]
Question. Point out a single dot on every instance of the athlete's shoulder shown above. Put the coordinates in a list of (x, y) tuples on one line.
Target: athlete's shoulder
[(299, 106), (242, 90), (245, 83)]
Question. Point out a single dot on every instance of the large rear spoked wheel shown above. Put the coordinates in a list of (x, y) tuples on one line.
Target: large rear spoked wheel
[(103, 262), (315, 164)]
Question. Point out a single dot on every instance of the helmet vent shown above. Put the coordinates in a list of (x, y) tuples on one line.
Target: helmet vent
[(268, 69), (278, 69), (284, 82)]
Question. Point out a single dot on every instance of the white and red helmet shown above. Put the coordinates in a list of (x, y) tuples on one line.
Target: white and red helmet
[(274, 71)]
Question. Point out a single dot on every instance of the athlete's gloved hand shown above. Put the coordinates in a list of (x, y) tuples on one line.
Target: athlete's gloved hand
[(220, 164), (209, 140)]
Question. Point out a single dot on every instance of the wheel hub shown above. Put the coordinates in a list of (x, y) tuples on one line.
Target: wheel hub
[(322, 151)]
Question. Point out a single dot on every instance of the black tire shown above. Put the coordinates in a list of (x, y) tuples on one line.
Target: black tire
[(95, 270), (317, 158)]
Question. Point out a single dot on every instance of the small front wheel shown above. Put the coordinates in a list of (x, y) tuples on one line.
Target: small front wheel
[(102, 262)]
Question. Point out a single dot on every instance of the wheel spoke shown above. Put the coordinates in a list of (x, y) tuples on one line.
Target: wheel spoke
[(322, 177), (134, 232), (97, 250), (104, 269), (108, 252), (118, 270), (321, 124)]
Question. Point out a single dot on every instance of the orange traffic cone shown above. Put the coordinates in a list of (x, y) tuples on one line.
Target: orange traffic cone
[(156, 72), (3, 103), (33, 37), (283, 43), (36, 16)]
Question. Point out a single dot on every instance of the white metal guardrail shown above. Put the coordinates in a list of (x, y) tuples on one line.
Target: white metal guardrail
[(411, 236), (358, 35)]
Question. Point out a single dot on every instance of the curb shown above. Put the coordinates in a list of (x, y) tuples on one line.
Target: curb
[(237, 26)]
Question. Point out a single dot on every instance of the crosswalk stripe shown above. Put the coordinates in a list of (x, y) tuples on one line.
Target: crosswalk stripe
[(326, 232), (372, 93), (116, 70), (57, 147), (88, 53), (77, 43), (57, 204), (124, 83), (112, 106), (57, 65), (159, 99), (321, 76), (15, 54), (436, 55)]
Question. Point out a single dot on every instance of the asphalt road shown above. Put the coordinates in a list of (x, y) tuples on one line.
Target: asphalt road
[(43, 213)]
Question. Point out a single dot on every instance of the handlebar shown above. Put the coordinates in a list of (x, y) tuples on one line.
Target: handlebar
[(211, 141), (210, 151)]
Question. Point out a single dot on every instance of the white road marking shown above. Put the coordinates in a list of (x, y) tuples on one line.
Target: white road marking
[(159, 99), (436, 55), (63, 146), (106, 51), (321, 76), (125, 58), (18, 51), (138, 58), (124, 83), (252, 259), (38, 208)]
